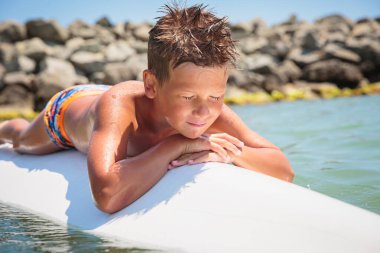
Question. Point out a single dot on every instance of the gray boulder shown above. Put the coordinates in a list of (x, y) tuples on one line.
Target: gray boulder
[(80, 29), (252, 44), (16, 95), (246, 80), (337, 52), (118, 51), (56, 72), (132, 69), (88, 62), (259, 63), (34, 48), (48, 30), (19, 78), (142, 32), (305, 57), (105, 22), (11, 31), (334, 71)]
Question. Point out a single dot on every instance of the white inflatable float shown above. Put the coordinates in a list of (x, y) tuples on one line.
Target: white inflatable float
[(202, 208)]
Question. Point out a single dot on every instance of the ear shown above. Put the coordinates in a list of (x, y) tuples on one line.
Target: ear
[(150, 83)]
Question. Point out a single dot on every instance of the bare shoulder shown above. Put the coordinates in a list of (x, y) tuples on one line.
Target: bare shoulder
[(229, 122), (117, 105)]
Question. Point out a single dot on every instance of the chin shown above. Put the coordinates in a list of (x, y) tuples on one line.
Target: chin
[(193, 135)]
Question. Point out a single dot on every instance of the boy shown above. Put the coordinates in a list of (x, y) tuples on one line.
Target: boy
[(134, 132)]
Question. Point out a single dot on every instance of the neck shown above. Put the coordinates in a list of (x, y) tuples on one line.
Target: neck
[(152, 117)]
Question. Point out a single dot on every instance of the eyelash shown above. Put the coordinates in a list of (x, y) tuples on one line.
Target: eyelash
[(189, 98)]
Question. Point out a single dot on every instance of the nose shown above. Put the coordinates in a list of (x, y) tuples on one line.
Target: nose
[(201, 109)]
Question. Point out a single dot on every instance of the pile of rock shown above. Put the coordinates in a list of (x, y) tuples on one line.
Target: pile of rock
[(41, 57)]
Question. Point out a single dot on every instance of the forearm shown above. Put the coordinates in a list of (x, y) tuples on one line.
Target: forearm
[(129, 179), (270, 161)]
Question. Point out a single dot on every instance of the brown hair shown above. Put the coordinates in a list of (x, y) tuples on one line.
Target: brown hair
[(191, 34)]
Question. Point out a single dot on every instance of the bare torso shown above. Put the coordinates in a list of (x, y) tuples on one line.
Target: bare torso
[(80, 117)]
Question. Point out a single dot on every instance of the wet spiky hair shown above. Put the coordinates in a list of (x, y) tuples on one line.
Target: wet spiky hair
[(191, 34)]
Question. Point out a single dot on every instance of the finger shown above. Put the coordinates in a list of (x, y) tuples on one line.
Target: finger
[(227, 137), (210, 157), (184, 160), (217, 148), (227, 145)]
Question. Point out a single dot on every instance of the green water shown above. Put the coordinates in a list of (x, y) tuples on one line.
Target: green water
[(333, 146)]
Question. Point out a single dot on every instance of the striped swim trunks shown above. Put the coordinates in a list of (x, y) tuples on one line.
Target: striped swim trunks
[(56, 107)]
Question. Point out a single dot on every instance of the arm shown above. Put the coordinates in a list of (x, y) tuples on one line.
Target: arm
[(258, 154), (116, 182)]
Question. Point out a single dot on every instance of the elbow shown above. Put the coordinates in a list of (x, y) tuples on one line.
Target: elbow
[(287, 173), (104, 200)]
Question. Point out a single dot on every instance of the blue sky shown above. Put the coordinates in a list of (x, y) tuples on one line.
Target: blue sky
[(272, 11)]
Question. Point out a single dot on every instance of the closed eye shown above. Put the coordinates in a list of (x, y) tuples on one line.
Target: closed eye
[(215, 98), (187, 98)]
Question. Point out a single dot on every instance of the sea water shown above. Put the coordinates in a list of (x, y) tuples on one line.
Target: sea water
[(333, 146)]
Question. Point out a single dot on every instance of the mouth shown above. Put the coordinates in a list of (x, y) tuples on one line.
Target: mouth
[(196, 124)]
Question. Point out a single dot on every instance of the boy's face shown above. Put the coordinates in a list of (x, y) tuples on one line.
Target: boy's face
[(192, 99)]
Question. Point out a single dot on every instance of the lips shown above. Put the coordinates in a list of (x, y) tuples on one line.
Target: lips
[(196, 124)]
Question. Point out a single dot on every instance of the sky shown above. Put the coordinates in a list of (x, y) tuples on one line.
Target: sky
[(271, 11)]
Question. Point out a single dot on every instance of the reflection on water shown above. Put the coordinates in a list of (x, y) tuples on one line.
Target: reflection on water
[(21, 231)]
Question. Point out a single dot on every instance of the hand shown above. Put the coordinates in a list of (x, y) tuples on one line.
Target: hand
[(198, 157), (220, 147)]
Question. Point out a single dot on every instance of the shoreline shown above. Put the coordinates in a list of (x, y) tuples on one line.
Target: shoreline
[(236, 96)]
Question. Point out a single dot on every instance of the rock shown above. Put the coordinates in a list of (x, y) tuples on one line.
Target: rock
[(276, 48), (142, 32), (336, 37), (369, 52), (119, 30), (368, 28), (313, 40), (241, 30), (98, 77), (334, 71), (139, 46), (16, 95), (48, 30), (20, 63), (105, 22), (336, 52), (2, 72), (118, 51), (34, 48), (19, 78), (11, 31), (88, 62), (259, 63), (334, 21), (82, 79), (130, 70), (56, 72), (43, 95), (246, 80), (304, 57), (91, 45), (8, 56), (82, 30), (289, 70), (251, 44), (325, 90), (103, 35), (60, 52)]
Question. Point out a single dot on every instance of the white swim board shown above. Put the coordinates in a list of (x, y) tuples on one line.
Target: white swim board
[(211, 207)]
